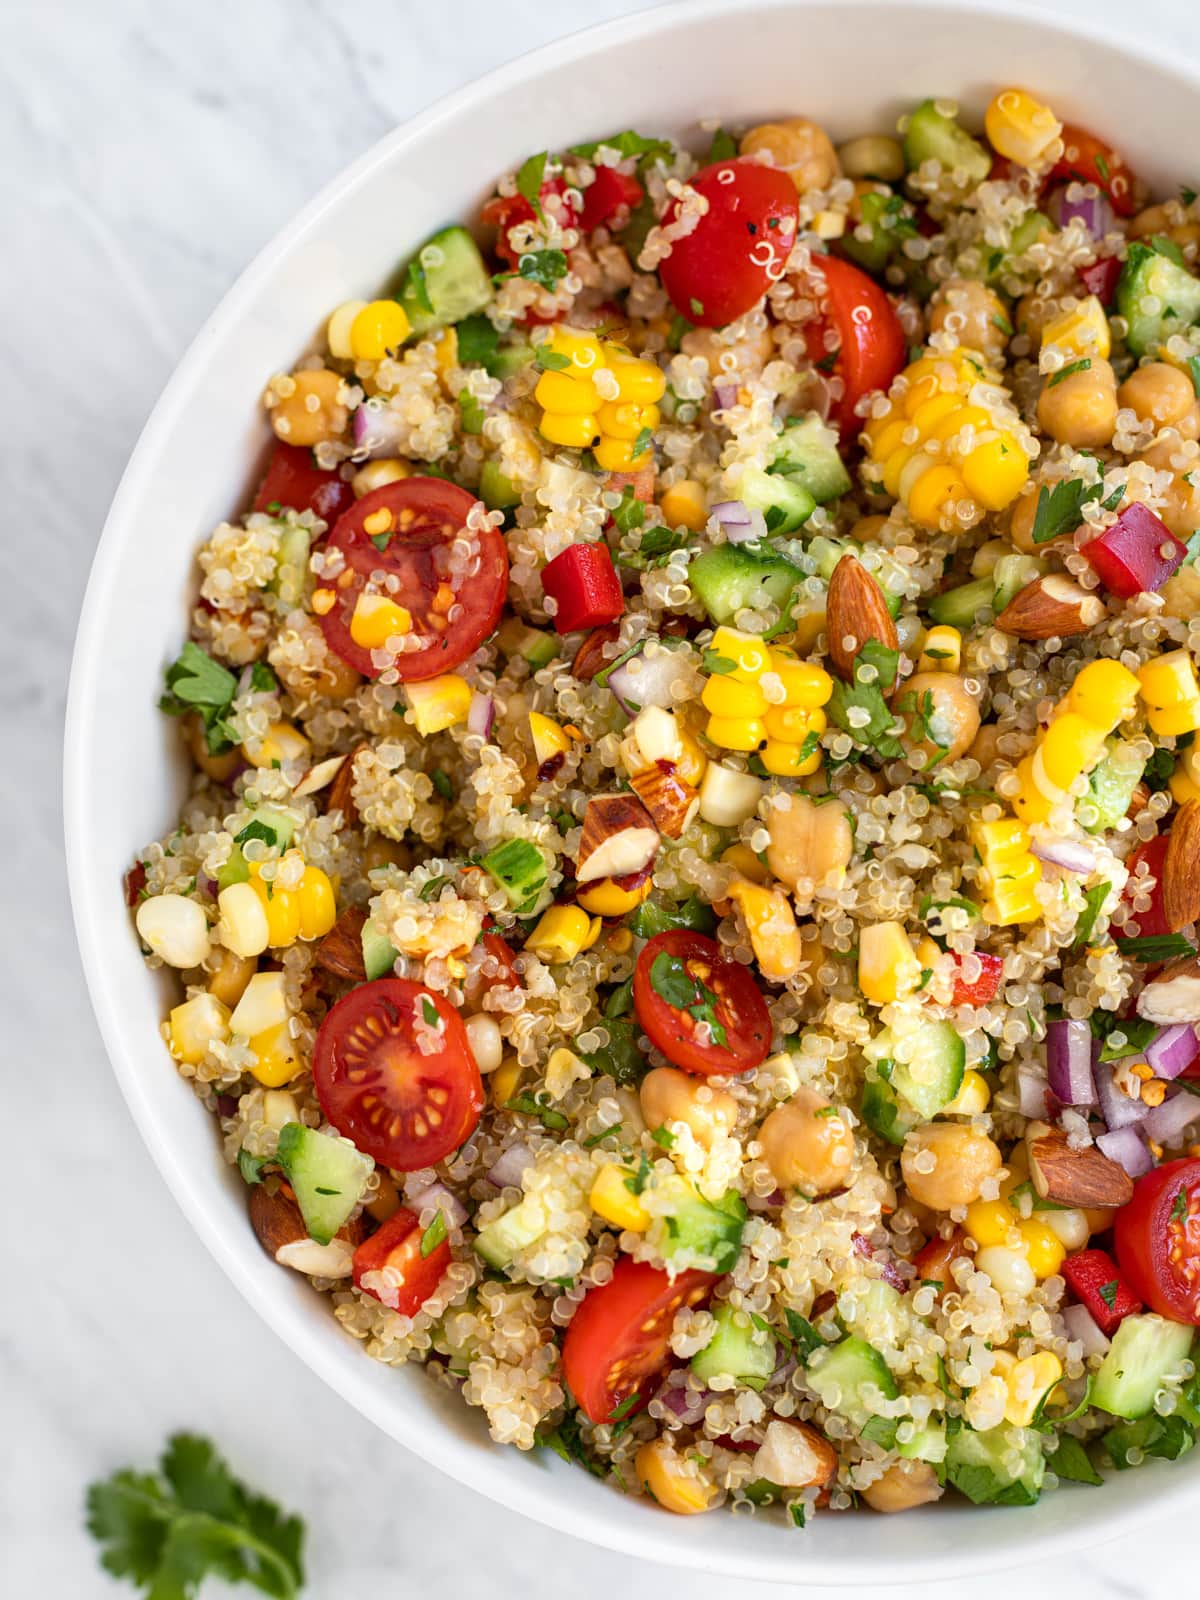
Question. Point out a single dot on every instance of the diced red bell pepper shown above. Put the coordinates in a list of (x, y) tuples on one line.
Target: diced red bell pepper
[(1152, 924), (983, 990), (1100, 279), (1091, 161), (1137, 554), (135, 882), (504, 211), (584, 584), (293, 482), (642, 482), (607, 194), (1095, 1281), (934, 1260)]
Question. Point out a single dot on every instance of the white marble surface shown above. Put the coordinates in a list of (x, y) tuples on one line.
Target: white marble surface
[(147, 150)]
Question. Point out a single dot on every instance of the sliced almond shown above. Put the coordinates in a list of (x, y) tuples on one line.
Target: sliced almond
[(1074, 1177), (671, 803), (1174, 996), (340, 951), (1051, 607), (590, 657), (795, 1456), (340, 796), (1181, 868), (855, 611), (332, 1260), (320, 776), (619, 837)]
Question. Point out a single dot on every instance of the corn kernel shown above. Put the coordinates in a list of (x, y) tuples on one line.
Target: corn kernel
[(953, 424), (683, 505), (278, 1059), (1043, 1248), (376, 619), (972, 1098), (549, 739), (736, 733), (621, 419), (281, 743), (581, 349), (990, 1222), (751, 656), (793, 724), (1027, 1383), (374, 475), (606, 898), (742, 859), (196, 1024), (725, 697), (1172, 722), (640, 382), (577, 431), (1104, 692), (1069, 747), (803, 684), (934, 411), (995, 472), (1082, 331), (658, 1467), (1185, 780), (787, 760), (438, 703), (561, 934), (243, 927), (566, 395), (894, 467), (936, 489), (1019, 127), (282, 909), (379, 327), (613, 1199), (323, 601), (504, 1082), (942, 650), (337, 330), (318, 904), (887, 963), (771, 924), (617, 455)]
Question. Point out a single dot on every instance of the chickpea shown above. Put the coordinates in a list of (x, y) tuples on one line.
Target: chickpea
[(974, 314), (678, 1482), (312, 411), (1168, 218), (1020, 524), (1071, 1227), (668, 1095), (807, 1145), (751, 353), (1180, 509), (1080, 409), (1181, 594), (985, 747), (385, 1202), (800, 147), (230, 976), (1032, 312), (380, 851), (1158, 393), (333, 679), (810, 844), (940, 728), (903, 1486), (873, 155), (867, 530), (963, 1158), (219, 768), (986, 558)]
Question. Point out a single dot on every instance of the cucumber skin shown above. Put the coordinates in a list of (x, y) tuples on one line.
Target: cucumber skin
[(1131, 1395), (926, 1099), (464, 263), (379, 957), (851, 1363), (932, 136), (726, 575), (732, 1353), (313, 1161), (1180, 289)]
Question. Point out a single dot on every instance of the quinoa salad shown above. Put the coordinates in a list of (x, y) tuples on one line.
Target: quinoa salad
[(686, 914)]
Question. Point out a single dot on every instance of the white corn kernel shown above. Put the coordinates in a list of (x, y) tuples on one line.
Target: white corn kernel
[(1008, 1269), (243, 927), (487, 1046), (262, 1006), (196, 1024), (175, 928), (728, 797)]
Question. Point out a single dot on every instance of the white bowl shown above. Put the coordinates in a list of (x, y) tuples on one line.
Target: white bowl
[(854, 65)]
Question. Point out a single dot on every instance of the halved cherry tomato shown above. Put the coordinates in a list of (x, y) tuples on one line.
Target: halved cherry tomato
[(610, 192), (703, 1011), (397, 1245), (738, 248), (1157, 1236), (504, 211), (870, 348), (293, 482), (619, 1339), (505, 958), (983, 990), (1092, 161), (642, 482), (429, 516), (1151, 924), (406, 1106)]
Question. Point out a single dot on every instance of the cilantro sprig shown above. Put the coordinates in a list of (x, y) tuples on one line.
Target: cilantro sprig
[(195, 682), (866, 693), (671, 980), (1060, 509)]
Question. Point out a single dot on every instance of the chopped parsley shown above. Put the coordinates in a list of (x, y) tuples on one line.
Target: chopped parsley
[(723, 146), (1156, 774), (478, 342), (529, 180), (594, 1139), (672, 982), (441, 782), (472, 412), (195, 682), (1153, 948), (1071, 1462), (631, 513), (1179, 1210), (545, 267), (625, 144), (566, 1440), (1060, 509), (431, 890), (419, 287), (1108, 1292), (665, 1139), (1069, 371), (430, 1012), (251, 1167), (540, 1108), (638, 1180), (866, 693), (643, 441), (714, 662), (1093, 899), (255, 829), (382, 540), (802, 1336), (548, 360), (433, 1235)]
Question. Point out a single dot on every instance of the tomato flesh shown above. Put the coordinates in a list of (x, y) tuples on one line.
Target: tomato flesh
[(292, 482), (397, 1246), (1157, 1237), (934, 1260), (619, 1339), (505, 211), (867, 348), (406, 1106), (1092, 161), (1151, 924), (720, 994), (455, 613), (609, 193), (738, 248), (985, 986)]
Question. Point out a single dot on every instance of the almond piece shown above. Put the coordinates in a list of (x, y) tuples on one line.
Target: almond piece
[(1083, 1178), (619, 837), (794, 1455), (1051, 607), (671, 803), (1181, 868), (855, 611), (340, 798), (276, 1220), (340, 951), (590, 658), (1174, 996)]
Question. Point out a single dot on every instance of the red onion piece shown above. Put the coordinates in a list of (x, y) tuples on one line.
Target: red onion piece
[(1128, 1148), (1070, 854), (1118, 1110), (689, 1405), (1137, 554), (724, 394), (481, 713), (1094, 211), (1083, 1326), (1031, 1090), (1069, 1062), (438, 1197), (511, 1167), (376, 431), (1165, 1124), (1172, 1050), (740, 524)]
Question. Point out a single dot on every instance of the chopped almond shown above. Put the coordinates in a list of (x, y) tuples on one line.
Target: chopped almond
[(619, 837)]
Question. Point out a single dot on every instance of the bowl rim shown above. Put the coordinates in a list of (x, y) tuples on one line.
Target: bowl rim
[(485, 1471)]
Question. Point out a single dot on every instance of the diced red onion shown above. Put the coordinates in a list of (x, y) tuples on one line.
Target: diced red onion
[(481, 713), (209, 887), (1069, 854), (444, 1200), (783, 1373), (1129, 557), (1069, 1062), (725, 394), (740, 524), (1094, 211), (511, 1167), (1128, 1148), (1118, 1110), (1165, 1123), (1031, 1090), (376, 430), (648, 683), (689, 1405), (1083, 1326), (1172, 1050)]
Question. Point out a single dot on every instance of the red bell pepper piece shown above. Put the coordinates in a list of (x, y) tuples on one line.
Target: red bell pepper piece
[(1152, 924), (1137, 554), (984, 989), (293, 483), (584, 584), (1090, 160), (604, 197), (504, 211), (1095, 1281), (1100, 279)]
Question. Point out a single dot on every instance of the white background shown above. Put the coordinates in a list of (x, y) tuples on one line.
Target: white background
[(148, 148)]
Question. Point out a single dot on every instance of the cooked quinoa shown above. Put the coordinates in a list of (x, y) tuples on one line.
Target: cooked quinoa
[(692, 937)]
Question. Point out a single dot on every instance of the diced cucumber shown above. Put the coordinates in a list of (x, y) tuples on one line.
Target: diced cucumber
[(806, 453), (933, 136), (519, 867), (927, 1444), (445, 281), (734, 1352), (785, 504), (291, 564), (498, 492), (510, 359), (235, 870), (933, 1074), (1145, 1351), (1034, 225), (273, 827), (1111, 784), (825, 554), (1010, 575), (882, 1109), (327, 1174), (981, 1465), (379, 955), (515, 638), (501, 1240), (849, 1378), (709, 1232), (1157, 297), (731, 577), (959, 608), (887, 220)]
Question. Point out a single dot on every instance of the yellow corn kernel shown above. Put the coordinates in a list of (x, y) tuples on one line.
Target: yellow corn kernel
[(942, 650), (1027, 1382), (379, 327), (936, 488), (751, 656), (889, 435), (725, 697), (560, 935), (617, 455), (1001, 840), (278, 1059), (990, 1222), (438, 703), (1011, 903), (606, 897), (613, 1199), (771, 924), (1069, 747), (736, 733), (786, 760), (376, 619), (581, 349), (996, 472), (1020, 127), (375, 474), (1104, 692), (445, 350), (683, 505), (318, 904), (793, 724), (1044, 1249), (803, 683), (504, 1081), (567, 396), (561, 428), (1185, 780), (887, 963), (639, 382), (1168, 680), (924, 387), (282, 909), (337, 329), (621, 419), (894, 466), (549, 739), (742, 859), (196, 1024), (931, 413), (281, 743), (1082, 331), (692, 761), (952, 425), (973, 1096), (660, 1469), (1174, 721)]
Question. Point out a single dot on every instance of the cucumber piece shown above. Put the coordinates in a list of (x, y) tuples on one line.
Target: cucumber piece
[(882, 1109), (933, 1075), (328, 1176), (733, 1351), (291, 564), (1111, 784), (273, 827), (731, 577), (927, 1444), (933, 136), (501, 1241), (709, 1232), (980, 1465), (519, 867), (655, 916), (1034, 225), (825, 554), (379, 956), (516, 639), (235, 870), (510, 359), (806, 453), (786, 505), (1157, 297), (888, 219), (498, 492), (446, 281), (1145, 1351), (1010, 575), (960, 608), (849, 1378)]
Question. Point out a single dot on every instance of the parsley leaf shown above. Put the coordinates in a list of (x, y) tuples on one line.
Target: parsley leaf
[(714, 662), (1179, 1211), (1070, 1461), (550, 360), (1093, 899), (429, 1011), (478, 342), (672, 982), (529, 180), (433, 1235), (1072, 367), (542, 266), (195, 682), (628, 143), (594, 1139), (1156, 774), (434, 887), (540, 1108), (665, 1139), (631, 513), (1060, 509), (866, 693), (723, 146), (802, 1335), (251, 1167), (637, 1181), (1108, 1292)]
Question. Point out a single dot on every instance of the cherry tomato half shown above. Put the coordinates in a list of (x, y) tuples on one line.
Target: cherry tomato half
[(619, 1339), (429, 515), (868, 347), (293, 482), (609, 193), (505, 211), (703, 1011), (1157, 1237), (405, 1106), (397, 1246), (1092, 161), (934, 1260), (738, 248), (1152, 924), (985, 986)]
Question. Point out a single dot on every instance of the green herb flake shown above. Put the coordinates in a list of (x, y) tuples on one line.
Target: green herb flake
[(433, 888), (472, 412), (1155, 948), (1093, 899), (637, 1181), (381, 540), (544, 267), (1071, 368), (477, 341), (433, 1235), (539, 1108), (419, 286), (529, 180), (626, 144), (549, 360), (642, 443), (670, 979), (716, 664), (663, 1137), (594, 1139), (1060, 509), (1179, 1211), (1071, 1462), (430, 1012), (195, 682), (441, 782), (803, 1337), (251, 1167), (630, 513), (723, 146), (797, 1513)]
